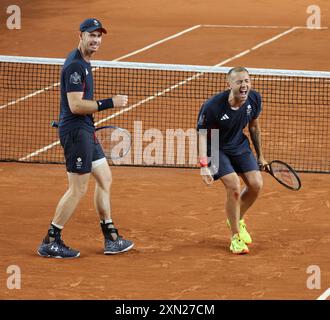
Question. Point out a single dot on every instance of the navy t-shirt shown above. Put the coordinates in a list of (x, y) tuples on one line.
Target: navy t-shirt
[(76, 76), (216, 113)]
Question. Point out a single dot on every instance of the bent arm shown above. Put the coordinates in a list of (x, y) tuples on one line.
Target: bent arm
[(255, 134), (81, 106), (202, 139)]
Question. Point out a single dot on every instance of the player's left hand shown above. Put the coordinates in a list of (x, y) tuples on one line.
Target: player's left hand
[(263, 164), (120, 100)]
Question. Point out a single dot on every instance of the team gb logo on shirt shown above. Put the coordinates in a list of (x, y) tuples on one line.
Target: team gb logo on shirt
[(248, 110), (75, 78)]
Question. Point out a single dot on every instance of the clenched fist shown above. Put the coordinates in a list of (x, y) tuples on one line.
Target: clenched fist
[(120, 100)]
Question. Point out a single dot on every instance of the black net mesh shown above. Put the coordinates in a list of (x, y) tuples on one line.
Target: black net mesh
[(162, 113)]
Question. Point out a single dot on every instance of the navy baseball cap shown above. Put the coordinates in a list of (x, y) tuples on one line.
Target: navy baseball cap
[(90, 25)]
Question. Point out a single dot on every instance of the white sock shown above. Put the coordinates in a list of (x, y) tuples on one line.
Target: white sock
[(108, 221), (57, 225)]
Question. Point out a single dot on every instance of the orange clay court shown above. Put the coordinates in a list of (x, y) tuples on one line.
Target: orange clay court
[(177, 223)]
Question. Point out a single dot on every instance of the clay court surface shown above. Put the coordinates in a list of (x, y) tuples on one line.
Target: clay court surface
[(177, 223)]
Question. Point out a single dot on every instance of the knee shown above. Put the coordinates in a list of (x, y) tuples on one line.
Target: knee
[(256, 186), (106, 182), (234, 190), (79, 191)]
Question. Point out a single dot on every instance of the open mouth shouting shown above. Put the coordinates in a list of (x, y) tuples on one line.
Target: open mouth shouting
[(244, 93)]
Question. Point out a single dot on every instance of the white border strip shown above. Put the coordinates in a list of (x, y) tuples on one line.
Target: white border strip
[(31, 60), (177, 67), (217, 68), (324, 295)]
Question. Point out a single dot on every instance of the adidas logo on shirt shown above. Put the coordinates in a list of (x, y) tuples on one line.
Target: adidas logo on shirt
[(224, 117)]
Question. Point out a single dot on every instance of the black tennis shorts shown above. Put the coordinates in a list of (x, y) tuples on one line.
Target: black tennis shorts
[(81, 148), (239, 163)]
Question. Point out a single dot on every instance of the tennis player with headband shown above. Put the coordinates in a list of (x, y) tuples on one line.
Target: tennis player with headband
[(83, 154), (222, 118)]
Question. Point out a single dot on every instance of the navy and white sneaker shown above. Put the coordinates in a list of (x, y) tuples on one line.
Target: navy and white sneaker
[(117, 246), (57, 249)]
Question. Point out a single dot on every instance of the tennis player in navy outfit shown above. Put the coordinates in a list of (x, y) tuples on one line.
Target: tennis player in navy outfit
[(83, 154), (225, 151)]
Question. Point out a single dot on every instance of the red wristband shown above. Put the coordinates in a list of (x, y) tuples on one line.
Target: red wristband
[(203, 162)]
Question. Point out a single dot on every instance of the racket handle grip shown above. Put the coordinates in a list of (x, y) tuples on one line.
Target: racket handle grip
[(264, 168), (54, 124)]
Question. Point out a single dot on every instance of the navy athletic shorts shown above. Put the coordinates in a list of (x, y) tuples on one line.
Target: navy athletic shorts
[(228, 164), (81, 148)]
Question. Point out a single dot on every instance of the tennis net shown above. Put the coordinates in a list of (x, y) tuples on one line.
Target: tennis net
[(164, 101)]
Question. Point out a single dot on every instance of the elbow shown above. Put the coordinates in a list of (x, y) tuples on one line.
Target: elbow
[(253, 129), (74, 108)]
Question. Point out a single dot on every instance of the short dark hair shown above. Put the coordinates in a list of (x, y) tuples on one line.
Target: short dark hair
[(237, 69)]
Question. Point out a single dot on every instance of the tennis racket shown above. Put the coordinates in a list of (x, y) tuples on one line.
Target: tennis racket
[(284, 174), (116, 142)]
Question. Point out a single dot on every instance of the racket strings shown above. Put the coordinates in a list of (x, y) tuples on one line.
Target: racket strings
[(285, 175), (115, 142)]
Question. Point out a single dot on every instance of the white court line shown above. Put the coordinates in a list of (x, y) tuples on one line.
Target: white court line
[(30, 95), (117, 59), (259, 27), (324, 295), (158, 42), (261, 44), (160, 93), (238, 26), (314, 28), (41, 150)]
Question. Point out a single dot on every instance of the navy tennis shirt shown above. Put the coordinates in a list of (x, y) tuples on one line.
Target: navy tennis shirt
[(76, 76), (216, 113)]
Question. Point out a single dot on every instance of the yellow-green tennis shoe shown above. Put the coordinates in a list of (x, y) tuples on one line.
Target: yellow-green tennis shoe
[(243, 233), (237, 245)]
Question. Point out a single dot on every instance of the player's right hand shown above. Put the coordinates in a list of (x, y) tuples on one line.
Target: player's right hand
[(120, 100), (207, 176)]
